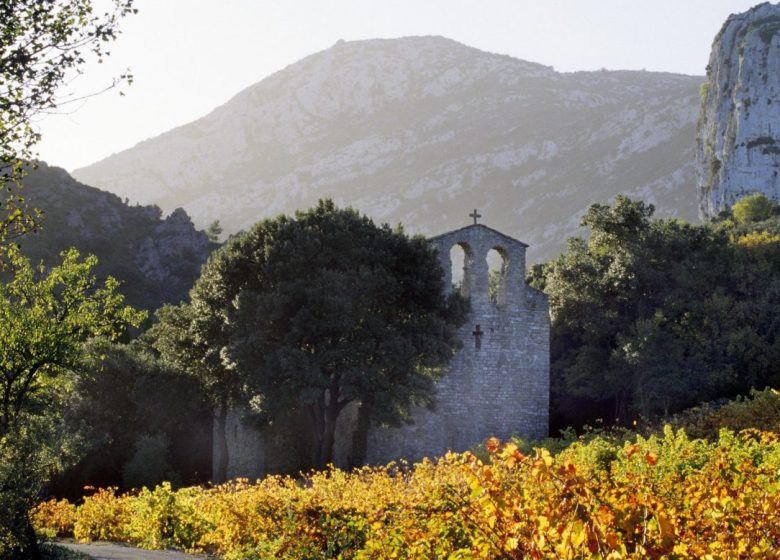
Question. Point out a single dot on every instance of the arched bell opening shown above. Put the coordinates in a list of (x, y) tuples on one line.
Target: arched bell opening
[(462, 262), (498, 265)]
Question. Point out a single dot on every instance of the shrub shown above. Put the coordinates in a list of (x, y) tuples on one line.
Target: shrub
[(752, 208), (55, 517), (161, 518), (666, 495), (760, 408), (102, 517), (50, 551)]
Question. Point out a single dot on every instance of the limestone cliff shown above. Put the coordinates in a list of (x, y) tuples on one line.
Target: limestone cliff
[(738, 140)]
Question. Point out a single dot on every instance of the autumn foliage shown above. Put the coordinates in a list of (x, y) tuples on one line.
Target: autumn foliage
[(666, 496)]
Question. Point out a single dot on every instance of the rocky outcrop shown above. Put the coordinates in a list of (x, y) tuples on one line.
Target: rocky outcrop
[(156, 259), (738, 140), (421, 130)]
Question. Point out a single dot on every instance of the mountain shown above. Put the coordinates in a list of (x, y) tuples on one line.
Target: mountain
[(422, 130), (156, 259), (738, 141)]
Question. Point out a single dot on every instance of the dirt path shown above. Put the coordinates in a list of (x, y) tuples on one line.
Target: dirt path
[(110, 551)]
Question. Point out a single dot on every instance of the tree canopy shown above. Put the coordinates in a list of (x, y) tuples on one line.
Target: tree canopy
[(45, 317), (132, 412), (651, 316), (315, 312)]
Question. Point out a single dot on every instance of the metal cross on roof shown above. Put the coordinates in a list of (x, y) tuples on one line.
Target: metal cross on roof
[(478, 332), (475, 215)]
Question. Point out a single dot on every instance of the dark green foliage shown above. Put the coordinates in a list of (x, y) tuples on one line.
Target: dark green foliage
[(51, 551), (191, 341), (494, 285), (653, 316), (27, 457), (126, 395), (150, 464), (214, 231), (315, 312), (759, 410)]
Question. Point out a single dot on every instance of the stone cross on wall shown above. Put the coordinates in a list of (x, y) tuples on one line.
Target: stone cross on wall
[(478, 332), (475, 215)]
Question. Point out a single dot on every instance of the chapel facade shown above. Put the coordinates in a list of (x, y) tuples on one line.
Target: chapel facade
[(499, 382)]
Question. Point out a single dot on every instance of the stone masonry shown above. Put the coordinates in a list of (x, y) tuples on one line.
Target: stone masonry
[(498, 384)]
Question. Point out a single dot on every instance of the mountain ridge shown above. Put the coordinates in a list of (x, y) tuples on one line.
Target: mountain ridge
[(421, 130)]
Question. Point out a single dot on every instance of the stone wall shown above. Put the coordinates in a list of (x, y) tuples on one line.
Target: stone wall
[(284, 447), (246, 448)]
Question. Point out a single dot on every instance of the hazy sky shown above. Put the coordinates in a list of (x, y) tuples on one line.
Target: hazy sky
[(189, 56)]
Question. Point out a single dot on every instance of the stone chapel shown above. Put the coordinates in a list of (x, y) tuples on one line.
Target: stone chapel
[(498, 384)]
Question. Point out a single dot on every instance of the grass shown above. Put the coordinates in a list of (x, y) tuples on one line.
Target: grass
[(51, 551)]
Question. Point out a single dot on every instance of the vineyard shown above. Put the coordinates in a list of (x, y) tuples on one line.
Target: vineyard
[(604, 496)]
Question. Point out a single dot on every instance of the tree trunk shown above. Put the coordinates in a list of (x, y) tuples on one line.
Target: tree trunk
[(328, 437), (220, 441), (360, 435), (32, 552), (325, 413), (621, 408)]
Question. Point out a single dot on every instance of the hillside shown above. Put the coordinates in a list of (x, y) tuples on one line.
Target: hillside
[(421, 130), (157, 259)]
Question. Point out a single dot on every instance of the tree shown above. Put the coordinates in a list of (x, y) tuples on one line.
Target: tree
[(313, 313), (623, 337), (125, 399), (754, 207), (651, 316), (45, 319), (43, 45), (214, 231)]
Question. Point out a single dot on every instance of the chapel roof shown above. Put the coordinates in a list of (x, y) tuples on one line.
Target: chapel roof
[(478, 226)]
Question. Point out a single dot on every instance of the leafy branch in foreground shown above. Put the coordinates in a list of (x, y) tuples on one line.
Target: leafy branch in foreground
[(43, 46), (45, 319)]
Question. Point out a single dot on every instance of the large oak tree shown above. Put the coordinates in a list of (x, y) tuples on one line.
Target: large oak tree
[(315, 312)]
